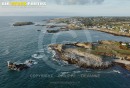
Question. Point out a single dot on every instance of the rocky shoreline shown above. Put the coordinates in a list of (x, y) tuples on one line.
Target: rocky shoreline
[(110, 32), (97, 29), (83, 60), (81, 54)]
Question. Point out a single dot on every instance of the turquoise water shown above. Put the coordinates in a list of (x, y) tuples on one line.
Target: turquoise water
[(20, 43)]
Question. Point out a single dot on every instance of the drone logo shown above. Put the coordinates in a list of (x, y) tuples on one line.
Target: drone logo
[(22, 3), (53, 40)]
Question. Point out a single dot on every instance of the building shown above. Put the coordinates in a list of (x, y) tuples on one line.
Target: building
[(123, 44)]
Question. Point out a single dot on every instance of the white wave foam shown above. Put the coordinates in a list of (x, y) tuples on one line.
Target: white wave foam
[(54, 53), (35, 62), (36, 56), (30, 62), (116, 71), (63, 73), (76, 72), (113, 71)]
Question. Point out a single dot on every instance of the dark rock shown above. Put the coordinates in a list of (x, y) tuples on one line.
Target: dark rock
[(22, 23), (40, 25), (52, 31), (51, 26)]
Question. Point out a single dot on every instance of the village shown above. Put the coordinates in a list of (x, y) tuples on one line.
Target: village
[(115, 24)]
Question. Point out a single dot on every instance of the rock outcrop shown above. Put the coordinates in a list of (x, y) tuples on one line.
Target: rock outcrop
[(22, 23), (52, 31), (96, 55), (73, 54)]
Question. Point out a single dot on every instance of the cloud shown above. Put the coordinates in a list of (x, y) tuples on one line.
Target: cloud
[(78, 2)]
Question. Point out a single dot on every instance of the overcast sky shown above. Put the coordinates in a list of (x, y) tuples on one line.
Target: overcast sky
[(71, 8)]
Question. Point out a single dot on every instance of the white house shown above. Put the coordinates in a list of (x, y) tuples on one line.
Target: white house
[(123, 44)]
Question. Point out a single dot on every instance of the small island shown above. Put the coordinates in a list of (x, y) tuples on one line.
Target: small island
[(58, 30), (22, 23), (52, 31), (95, 55), (40, 25)]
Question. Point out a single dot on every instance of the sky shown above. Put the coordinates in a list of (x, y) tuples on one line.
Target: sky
[(70, 8)]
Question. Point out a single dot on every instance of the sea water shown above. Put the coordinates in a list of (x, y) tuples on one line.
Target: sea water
[(18, 44)]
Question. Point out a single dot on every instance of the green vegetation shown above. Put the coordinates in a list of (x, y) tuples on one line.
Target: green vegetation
[(111, 48), (125, 52)]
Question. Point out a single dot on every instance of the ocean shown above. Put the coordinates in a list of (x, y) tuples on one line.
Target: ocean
[(18, 44)]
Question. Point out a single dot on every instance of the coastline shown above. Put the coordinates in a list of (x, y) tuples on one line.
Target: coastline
[(109, 32), (107, 25), (81, 54)]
